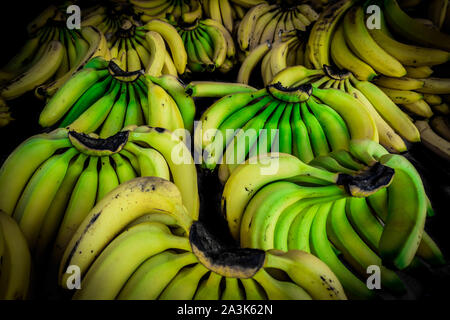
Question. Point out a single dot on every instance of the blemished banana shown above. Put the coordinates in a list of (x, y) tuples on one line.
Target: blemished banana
[(118, 261), (361, 42), (161, 195), (317, 48), (40, 72), (15, 268), (247, 25)]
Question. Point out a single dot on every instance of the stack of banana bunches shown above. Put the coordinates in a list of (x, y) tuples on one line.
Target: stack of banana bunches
[(305, 128)]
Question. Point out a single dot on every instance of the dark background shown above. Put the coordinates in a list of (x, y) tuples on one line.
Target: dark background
[(428, 284)]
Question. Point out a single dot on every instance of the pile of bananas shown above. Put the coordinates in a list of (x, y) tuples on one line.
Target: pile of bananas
[(303, 207), (208, 44), (342, 36), (51, 181), (15, 257), (103, 98), (151, 249), (50, 56), (310, 121)]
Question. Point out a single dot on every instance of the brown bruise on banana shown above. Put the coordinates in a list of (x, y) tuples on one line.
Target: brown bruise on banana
[(367, 181), (300, 93), (117, 72), (96, 146), (225, 261)]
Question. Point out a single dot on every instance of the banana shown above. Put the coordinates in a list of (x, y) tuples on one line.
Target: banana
[(402, 83), (226, 14), (232, 290), (16, 261), (387, 136), (316, 133), (346, 59), (322, 248), (161, 105), (432, 99), (433, 141), (389, 111), (171, 36), (179, 160), (420, 108), (280, 290), (359, 122), (407, 203), (150, 279), (98, 47), (418, 72), (237, 192), (209, 289), (412, 29), (278, 60), (215, 89), (96, 114), (402, 96), (251, 61), (185, 283), (82, 200), (149, 194), (262, 23), (23, 162), (39, 73), (156, 45), (55, 213), (435, 85), (72, 90), (253, 291), (124, 169), (320, 282), (318, 45), (360, 41), (109, 272), (408, 55), (248, 23), (115, 120), (133, 61), (301, 148), (441, 126), (35, 199)]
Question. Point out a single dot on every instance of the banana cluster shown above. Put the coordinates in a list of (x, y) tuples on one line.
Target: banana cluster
[(144, 47), (208, 44), (151, 249), (51, 181), (310, 121), (159, 9), (290, 211), (342, 36), (103, 98), (264, 23), (392, 123), (50, 56), (15, 257)]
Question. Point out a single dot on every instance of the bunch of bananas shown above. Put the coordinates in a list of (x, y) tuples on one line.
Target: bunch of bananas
[(158, 9), (228, 12), (289, 210), (435, 135), (103, 98), (265, 23), (392, 123), (50, 56), (151, 249), (342, 36), (208, 44), (144, 47), (304, 120), (51, 181), (108, 19), (15, 260)]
